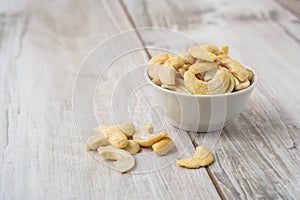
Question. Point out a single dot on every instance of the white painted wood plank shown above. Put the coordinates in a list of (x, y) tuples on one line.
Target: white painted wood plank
[(257, 154), (41, 153)]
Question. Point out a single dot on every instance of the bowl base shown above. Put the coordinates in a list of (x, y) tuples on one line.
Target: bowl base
[(200, 128)]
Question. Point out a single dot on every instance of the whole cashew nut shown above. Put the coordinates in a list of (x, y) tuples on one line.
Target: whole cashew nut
[(145, 137), (124, 160), (202, 157), (115, 136)]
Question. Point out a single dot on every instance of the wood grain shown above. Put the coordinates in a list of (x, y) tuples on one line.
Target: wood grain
[(291, 5), (257, 153), (42, 156)]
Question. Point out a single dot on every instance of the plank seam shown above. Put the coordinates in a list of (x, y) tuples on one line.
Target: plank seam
[(287, 32), (210, 174), (134, 26), (214, 181), (284, 6)]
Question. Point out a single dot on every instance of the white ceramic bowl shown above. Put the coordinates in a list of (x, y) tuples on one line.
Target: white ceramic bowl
[(199, 113)]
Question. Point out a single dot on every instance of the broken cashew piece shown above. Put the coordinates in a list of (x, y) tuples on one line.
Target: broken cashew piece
[(132, 147), (163, 146), (115, 136), (124, 160), (127, 128), (157, 81), (224, 50), (96, 140), (167, 75), (202, 157), (153, 71)]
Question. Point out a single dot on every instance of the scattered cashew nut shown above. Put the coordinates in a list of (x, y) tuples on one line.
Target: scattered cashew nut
[(124, 160), (163, 146), (145, 137), (115, 136), (202, 157), (132, 147)]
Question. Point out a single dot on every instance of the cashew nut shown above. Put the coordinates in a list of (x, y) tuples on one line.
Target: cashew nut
[(153, 71), (157, 81), (195, 85), (174, 62), (250, 74), (145, 137), (224, 50), (220, 82), (186, 66), (178, 87), (188, 58), (151, 139), (159, 59), (124, 160), (127, 128), (167, 75), (200, 53), (205, 155), (241, 85), (132, 147), (96, 140), (182, 71), (204, 67), (202, 157), (235, 68), (231, 83), (115, 136), (163, 146), (208, 75), (211, 48)]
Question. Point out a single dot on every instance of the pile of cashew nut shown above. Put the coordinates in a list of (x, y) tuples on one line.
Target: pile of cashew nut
[(120, 142), (203, 69)]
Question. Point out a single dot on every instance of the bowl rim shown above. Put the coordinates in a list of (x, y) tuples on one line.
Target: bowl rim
[(248, 89)]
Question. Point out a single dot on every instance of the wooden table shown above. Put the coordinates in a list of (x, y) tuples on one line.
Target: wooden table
[(42, 46)]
